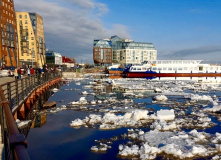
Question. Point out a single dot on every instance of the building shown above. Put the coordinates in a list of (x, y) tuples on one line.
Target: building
[(30, 39), (68, 62), (8, 43), (102, 52), (53, 58), (122, 51)]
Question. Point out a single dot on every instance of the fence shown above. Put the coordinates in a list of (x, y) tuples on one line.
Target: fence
[(12, 96)]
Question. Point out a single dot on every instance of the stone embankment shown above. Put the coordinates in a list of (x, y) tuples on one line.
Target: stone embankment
[(80, 74)]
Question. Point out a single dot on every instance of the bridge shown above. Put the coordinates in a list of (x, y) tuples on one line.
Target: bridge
[(17, 98)]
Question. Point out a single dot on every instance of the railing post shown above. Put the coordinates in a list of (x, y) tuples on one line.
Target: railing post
[(16, 92), (22, 88), (9, 93)]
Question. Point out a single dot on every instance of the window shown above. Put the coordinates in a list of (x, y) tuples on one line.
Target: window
[(25, 16), (20, 16), (26, 22)]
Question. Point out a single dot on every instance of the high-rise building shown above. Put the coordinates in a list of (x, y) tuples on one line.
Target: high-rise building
[(8, 43), (122, 51), (31, 39)]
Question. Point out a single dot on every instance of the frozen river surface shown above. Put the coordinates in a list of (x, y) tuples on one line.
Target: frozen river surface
[(130, 119)]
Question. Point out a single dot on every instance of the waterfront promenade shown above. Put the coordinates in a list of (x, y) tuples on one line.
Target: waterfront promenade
[(2, 81)]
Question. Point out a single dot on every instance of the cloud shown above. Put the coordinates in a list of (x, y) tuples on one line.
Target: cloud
[(210, 53), (70, 30)]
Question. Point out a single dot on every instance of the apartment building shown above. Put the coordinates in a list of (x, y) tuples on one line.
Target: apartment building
[(31, 39), (102, 52), (122, 51), (8, 43)]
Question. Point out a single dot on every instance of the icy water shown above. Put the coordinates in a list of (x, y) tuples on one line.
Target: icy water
[(112, 136)]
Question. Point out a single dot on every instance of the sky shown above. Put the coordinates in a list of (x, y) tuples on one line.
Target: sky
[(179, 29)]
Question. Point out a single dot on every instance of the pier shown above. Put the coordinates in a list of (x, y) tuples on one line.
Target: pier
[(17, 98)]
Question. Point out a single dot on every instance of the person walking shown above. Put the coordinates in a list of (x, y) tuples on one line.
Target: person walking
[(16, 73), (19, 73), (28, 71), (32, 71)]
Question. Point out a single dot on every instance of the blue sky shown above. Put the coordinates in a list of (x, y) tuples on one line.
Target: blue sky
[(179, 29)]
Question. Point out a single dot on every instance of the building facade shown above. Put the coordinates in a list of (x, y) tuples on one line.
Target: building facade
[(8, 43), (31, 39), (102, 52), (53, 58), (122, 51)]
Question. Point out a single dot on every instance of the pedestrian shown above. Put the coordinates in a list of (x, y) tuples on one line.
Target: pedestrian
[(19, 73), (28, 71), (32, 71), (16, 73)]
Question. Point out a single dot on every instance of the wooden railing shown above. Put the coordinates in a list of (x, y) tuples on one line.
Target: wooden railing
[(12, 96)]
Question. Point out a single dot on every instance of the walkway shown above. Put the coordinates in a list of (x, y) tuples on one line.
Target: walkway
[(2, 81), (16, 93)]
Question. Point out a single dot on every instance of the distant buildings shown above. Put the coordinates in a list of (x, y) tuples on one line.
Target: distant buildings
[(123, 51), (8, 43), (68, 62), (53, 58), (30, 39)]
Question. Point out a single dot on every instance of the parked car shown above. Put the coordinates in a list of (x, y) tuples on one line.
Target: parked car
[(4, 73)]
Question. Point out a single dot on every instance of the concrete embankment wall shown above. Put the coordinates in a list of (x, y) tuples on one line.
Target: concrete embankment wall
[(71, 74)]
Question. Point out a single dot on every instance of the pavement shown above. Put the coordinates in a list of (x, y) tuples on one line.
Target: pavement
[(2, 81), (6, 79)]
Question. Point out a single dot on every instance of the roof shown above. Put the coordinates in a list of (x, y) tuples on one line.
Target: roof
[(66, 60)]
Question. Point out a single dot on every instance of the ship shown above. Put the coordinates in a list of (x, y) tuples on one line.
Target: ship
[(115, 69), (173, 68)]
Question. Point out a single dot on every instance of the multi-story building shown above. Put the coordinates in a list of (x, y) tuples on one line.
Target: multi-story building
[(8, 43), (122, 51), (102, 52), (31, 39), (53, 58)]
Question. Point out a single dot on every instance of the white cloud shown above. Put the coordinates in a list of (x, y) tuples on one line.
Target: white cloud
[(70, 30), (209, 53)]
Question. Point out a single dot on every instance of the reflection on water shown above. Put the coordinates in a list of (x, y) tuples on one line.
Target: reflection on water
[(51, 137), (39, 120)]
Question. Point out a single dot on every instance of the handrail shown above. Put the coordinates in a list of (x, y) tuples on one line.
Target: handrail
[(12, 95)]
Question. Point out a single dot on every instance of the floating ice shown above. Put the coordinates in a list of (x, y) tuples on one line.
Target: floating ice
[(85, 93), (160, 98), (178, 144), (203, 97), (113, 121), (76, 123), (82, 100), (166, 114)]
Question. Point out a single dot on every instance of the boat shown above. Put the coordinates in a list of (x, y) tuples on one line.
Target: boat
[(115, 69), (172, 68)]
